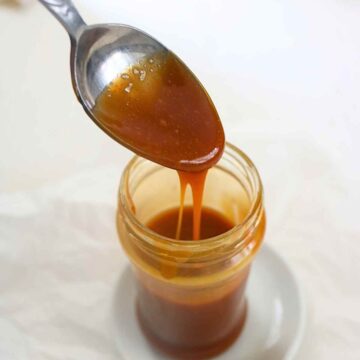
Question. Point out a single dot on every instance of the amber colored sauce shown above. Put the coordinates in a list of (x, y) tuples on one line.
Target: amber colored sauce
[(213, 223), (197, 184), (160, 111), (192, 331), (198, 325)]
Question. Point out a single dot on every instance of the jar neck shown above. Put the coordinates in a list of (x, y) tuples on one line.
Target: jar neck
[(238, 240)]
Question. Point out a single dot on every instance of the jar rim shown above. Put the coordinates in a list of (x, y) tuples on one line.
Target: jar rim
[(193, 246)]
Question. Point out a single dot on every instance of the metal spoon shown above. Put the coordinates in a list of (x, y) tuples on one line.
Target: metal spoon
[(100, 53)]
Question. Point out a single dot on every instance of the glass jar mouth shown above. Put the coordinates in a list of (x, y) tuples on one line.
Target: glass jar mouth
[(238, 231)]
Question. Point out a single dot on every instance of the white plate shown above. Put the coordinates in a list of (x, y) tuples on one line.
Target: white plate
[(274, 327)]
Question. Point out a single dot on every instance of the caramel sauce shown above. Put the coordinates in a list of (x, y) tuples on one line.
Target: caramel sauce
[(213, 223), (197, 184), (193, 330), (160, 111), (196, 325)]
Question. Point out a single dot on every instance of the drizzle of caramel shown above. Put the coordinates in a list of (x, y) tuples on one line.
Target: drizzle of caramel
[(197, 183)]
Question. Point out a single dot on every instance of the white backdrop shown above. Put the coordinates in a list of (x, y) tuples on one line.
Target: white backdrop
[(285, 78)]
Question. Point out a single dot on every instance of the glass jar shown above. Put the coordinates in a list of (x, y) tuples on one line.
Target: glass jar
[(191, 298)]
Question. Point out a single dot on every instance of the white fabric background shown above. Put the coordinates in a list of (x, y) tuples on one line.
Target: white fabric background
[(285, 77)]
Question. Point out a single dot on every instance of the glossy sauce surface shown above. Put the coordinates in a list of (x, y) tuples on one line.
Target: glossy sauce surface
[(213, 223), (160, 111)]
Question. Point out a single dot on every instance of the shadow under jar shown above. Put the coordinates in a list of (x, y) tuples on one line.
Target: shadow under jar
[(191, 300)]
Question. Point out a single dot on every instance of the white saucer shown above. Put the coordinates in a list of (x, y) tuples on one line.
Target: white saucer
[(274, 327)]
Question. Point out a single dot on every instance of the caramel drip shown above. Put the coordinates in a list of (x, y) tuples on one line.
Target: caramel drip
[(196, 182)]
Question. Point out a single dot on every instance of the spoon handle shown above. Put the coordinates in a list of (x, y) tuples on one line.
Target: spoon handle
[(66, 13)]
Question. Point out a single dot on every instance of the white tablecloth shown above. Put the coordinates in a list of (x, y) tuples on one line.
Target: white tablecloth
[(285, 77)]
